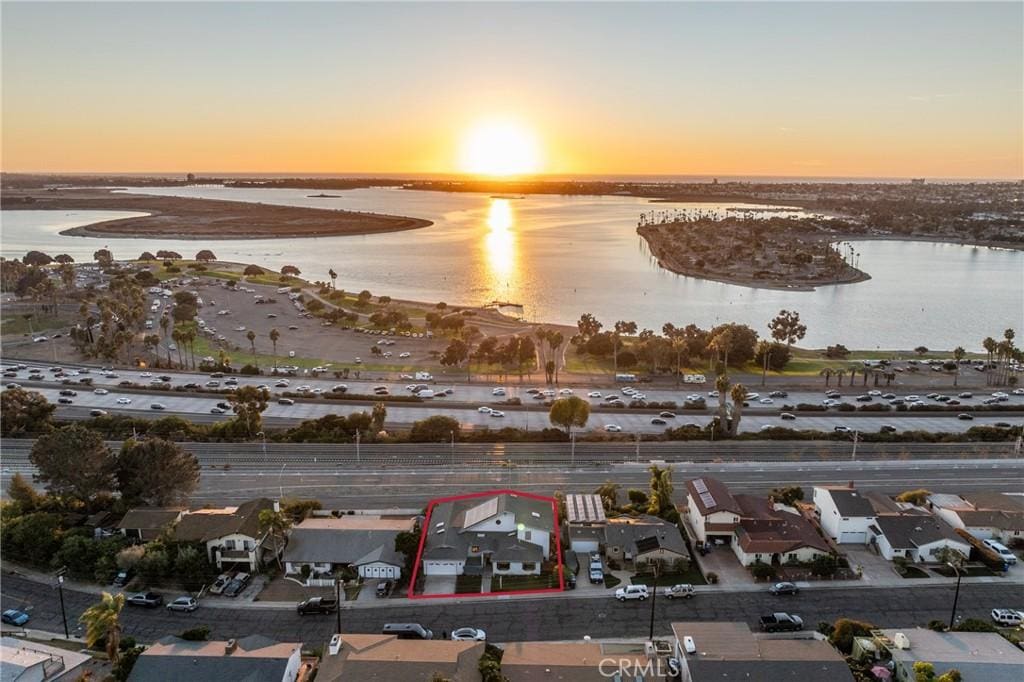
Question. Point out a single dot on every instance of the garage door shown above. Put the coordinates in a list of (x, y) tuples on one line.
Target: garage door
[(584, 546), (441, 568), (851, 538)]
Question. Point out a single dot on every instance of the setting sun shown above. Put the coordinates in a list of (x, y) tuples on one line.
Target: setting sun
[(500, 148)]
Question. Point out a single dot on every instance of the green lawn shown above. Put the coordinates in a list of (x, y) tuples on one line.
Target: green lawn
[(691, 576), (468, 584), (16, 324), (912, 572), (514, 583)]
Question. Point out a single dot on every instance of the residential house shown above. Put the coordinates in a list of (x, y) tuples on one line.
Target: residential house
[(844, 514), (731, 651), (385, 658), (977, 655), (985, 515), (585, 521), (508, 532), (232, 535), (253, 659), (711, 510), (24, 661), (579, 662), (774, 534), (147, 523), (366, 544), (643, 539), (917, 537)]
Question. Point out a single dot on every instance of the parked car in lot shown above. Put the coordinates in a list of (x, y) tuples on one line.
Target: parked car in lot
[(15, 617), (122, 578), (469, 635), (1007, 617), (682, 591), (187, 604), (783, 588), (632, 592), (781, 622), (150, 600), (317, 605)]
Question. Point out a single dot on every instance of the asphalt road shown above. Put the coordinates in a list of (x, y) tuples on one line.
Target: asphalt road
[(540, 618)]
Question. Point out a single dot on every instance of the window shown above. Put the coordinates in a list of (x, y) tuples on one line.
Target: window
[(501, 566), (229, 545), (529, 566), (527, 534), (249, 545)]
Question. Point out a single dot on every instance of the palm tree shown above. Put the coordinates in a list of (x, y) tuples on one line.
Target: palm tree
[(958, 355), (275, 524), (165, 322), (274, 336), (827, 373), (555, 341), (334, 278), (840, 373), (103, 622), (179, 339), (989, 344), (251, 335), (722, 386), (738, 395)]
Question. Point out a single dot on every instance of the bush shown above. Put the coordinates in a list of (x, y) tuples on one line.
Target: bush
[(824, 566), (845, 630), (199, 634), (762, 571), (249, 370), (637, 497), (712, 578)]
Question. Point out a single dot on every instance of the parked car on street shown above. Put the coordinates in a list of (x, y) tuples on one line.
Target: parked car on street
[(783, 588), (781, 622), (682, 591), (150, 600), (1007, 617), (317, 605), (15, 617), (187, 604), (632, 592)]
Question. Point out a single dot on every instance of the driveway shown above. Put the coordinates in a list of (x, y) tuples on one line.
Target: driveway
[(439, 584), (876, 570)]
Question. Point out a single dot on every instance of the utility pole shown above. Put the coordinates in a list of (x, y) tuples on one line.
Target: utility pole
[(956, 595), (572, 447), (853, 455), (60, 590), (358, 460), (280, 485), (263, 437), (654, 597), (637, 438), (452, 434), (337, 598)]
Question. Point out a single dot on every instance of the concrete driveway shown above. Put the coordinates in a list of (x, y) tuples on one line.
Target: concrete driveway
[(439, 584)]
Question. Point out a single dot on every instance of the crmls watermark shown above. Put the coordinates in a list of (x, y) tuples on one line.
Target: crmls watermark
[(626, 669)]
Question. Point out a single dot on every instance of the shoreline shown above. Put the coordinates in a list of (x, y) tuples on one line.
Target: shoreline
[(198, 219)]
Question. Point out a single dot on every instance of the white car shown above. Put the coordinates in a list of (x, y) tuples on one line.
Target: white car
[(40, 339), (240, 328), (469, 635), (146, 375), (497, 413), (1018, 391), (124, 401), (483, 409), (712, 394), (498, 391), (875, 393), (594, 394), (766, 401), (405, 355), (283, 383), (632, 592), (565, 391), (612, 428), (101, 391), (1007, 617)]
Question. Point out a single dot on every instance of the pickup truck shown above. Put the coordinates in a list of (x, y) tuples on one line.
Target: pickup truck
[(781, 622), (317, 605)]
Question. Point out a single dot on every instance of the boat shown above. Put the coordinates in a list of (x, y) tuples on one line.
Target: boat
[(323, 196)]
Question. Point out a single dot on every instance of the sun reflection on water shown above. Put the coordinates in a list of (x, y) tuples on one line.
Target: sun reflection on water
[(501, 249)]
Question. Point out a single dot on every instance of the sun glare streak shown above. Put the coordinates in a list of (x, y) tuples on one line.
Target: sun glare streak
[(500, 148), (500, 245)]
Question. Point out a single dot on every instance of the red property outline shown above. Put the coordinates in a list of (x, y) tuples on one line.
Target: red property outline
[(471, 595)]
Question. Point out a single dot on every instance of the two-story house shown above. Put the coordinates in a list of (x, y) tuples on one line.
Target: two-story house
[(985, 515), (232, 535), (711, 510), (844, 514)]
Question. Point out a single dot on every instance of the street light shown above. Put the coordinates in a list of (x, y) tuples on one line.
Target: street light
[(657, 565), (853, 455), (280, 485), (60, 590), (956, 595), (263, 436)]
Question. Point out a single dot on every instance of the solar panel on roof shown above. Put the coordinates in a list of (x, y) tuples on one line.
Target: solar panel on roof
[(700, 486), (708, 499)]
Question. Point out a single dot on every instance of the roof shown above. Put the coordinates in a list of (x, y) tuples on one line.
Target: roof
[(883, 504), (584, 509), (644, 534), (338, 541), (767, 531), (711, 495), (903, 532), (977, 655), (732, 651), (849, 502), (149, 518), (209, 524), (255, 659), (449, 535), (518, 551), (569, 661), (17, 656), (984, 509), (383, 658), (993, 500)]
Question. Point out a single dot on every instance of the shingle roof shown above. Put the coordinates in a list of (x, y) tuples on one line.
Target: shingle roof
[(851, 503), (456, 539), (903, 532), (385, 658), (519, 551), (711, 495), (648, 531), (145, 518), (203, 526), (256, 659), (318, 541), (567, 661), (778, 532)]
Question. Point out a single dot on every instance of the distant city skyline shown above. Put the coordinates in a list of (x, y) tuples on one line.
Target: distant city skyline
[(889, 90)]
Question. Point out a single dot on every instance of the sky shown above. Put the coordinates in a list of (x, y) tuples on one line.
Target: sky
[(803, 89)]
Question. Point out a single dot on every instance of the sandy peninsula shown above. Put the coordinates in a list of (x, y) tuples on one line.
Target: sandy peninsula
[(187, 218)]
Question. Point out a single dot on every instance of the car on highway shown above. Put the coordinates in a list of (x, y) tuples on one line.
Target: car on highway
[(186, 604), (667, 415), (158, 406), (658, 421), (97, 413), (1002, 425), (788, 416), (101, 391), (631, 592), (887, 428), (285, 401), (65, 401), (612, 428), (483, 409), (217, 410), (497, 413), (146, 374), (124, 401), (14, 617), (965, 416), (681, 591), (339, 388), (149, 600), (778, 394), (766, 401), (12, 385), (68, 392), (469, 635), (843, 429), (783, 588), (594, 394), (498, 391)]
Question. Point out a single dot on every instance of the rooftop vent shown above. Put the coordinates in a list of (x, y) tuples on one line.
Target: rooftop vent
[(230, 646), (901, 641), (335, 646)]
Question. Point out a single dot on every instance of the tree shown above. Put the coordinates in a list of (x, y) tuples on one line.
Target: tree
[(146, 255), (253, 271), (36, 258), (24, 412), (455, 354), (916, 497), (609, 494), (290, 271), (659, 500), (103, 624), (824, 565), (103, 257), (788, 496), (378, 416), (569, 412), (205, 256), (19, 490), (637, 497), (248, 404), (32, 538), (738, 393), (156, 473), (334, 279), (64, 259), (844, 630), (622, 328), (75, 462), (407, 543), (276, 525), (435, 429), (274, 336), (588, 326), (733, 344), (958, 355), (921, 350), (251, 335)]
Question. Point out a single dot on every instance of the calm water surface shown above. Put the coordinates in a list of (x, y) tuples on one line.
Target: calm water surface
[(562, 256)]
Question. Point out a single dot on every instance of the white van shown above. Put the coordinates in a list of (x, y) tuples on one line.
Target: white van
[(424, 376), (427, 393), (1002, 550)]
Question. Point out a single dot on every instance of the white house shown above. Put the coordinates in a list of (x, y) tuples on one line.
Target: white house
[(507, 533), (916, 537), (585, 520), (774, 534), (844, 514), (231, 534), (985, 515), (711, 510), (364, 543)]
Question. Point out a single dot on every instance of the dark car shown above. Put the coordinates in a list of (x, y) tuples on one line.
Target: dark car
[(122, 578), (384, 588), (658, 421), (887, 428), (158, 406), (69, 392), (788, 416), (65, 401), (778, 394), (783, 588), (234, 588), (285, 401), (224, 406), (150, 600), (570, 581)]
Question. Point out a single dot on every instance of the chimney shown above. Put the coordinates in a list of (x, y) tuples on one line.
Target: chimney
[(230, 647), (335, 646)]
